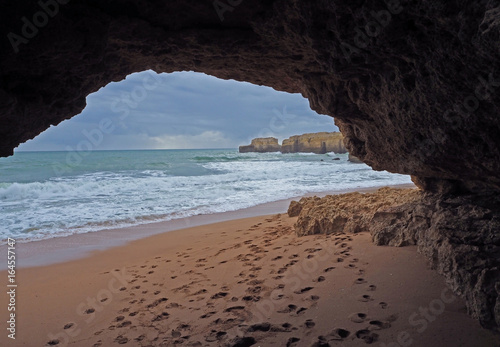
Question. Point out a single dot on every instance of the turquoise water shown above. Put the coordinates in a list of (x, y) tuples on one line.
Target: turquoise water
[(50, 194)]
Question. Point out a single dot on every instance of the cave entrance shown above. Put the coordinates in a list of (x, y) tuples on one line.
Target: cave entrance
[(160, 147)]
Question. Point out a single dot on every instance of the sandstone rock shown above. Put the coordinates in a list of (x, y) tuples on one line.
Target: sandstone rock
[(352, 212), (318, 143), (294, 209), (262, 145)]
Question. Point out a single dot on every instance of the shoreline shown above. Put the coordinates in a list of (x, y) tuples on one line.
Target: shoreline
[(65, 248)]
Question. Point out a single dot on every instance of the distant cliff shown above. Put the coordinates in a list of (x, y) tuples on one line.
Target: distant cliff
[(319, 143), (262, 145)]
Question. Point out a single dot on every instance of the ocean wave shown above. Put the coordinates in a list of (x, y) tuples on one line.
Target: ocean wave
[(100, 200)]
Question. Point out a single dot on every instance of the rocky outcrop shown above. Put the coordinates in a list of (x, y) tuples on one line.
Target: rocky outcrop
[(354, 159), (262, 145), (458, 235), (347, 213), (413, 86), (319, 143)]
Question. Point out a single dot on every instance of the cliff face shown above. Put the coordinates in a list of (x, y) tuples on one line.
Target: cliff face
[(262, 145), (319, 143)]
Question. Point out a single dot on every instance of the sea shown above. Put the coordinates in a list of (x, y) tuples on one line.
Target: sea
[(54, 194)]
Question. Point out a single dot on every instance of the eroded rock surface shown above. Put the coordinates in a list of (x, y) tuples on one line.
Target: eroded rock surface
[(319, 143), (413, 86), (460, 236)]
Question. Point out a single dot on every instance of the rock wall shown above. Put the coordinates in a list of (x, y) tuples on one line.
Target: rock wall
[(458, 235), (262, 145), (413, 85), (319, 143)]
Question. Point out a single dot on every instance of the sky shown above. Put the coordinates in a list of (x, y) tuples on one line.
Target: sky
[(180, 110)]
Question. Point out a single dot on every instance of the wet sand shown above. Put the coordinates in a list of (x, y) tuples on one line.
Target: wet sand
[(241, 281)]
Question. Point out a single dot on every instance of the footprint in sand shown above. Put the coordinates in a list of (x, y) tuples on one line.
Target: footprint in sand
[(357, 317), (234, 308), (320, 279), (301, 310), (338, 334), (383, 305), (360, 281), (328, 269), (309, 323), (219, 295), (215, 336), (288, 309), (372, 287), (250, 298), (379, 325), (156, 302), (292, 342), (367, 336), (68, 325), (121, 340), (254, 290), (162, 316), (365, 298), (303, 290), (124, 324)]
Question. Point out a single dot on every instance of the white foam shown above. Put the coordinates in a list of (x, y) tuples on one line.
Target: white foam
[(103, 200)]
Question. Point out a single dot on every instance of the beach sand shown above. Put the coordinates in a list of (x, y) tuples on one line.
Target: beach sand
[(235, 281)]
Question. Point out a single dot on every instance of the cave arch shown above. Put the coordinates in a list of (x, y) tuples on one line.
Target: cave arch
[(413, 86)]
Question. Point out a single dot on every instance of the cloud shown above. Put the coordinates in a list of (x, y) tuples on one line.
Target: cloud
[(184, 110)]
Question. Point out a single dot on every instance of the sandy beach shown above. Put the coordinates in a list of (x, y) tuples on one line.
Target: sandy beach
[(242, 282)]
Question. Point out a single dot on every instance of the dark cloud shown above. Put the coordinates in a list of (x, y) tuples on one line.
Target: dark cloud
[(182, 110)]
